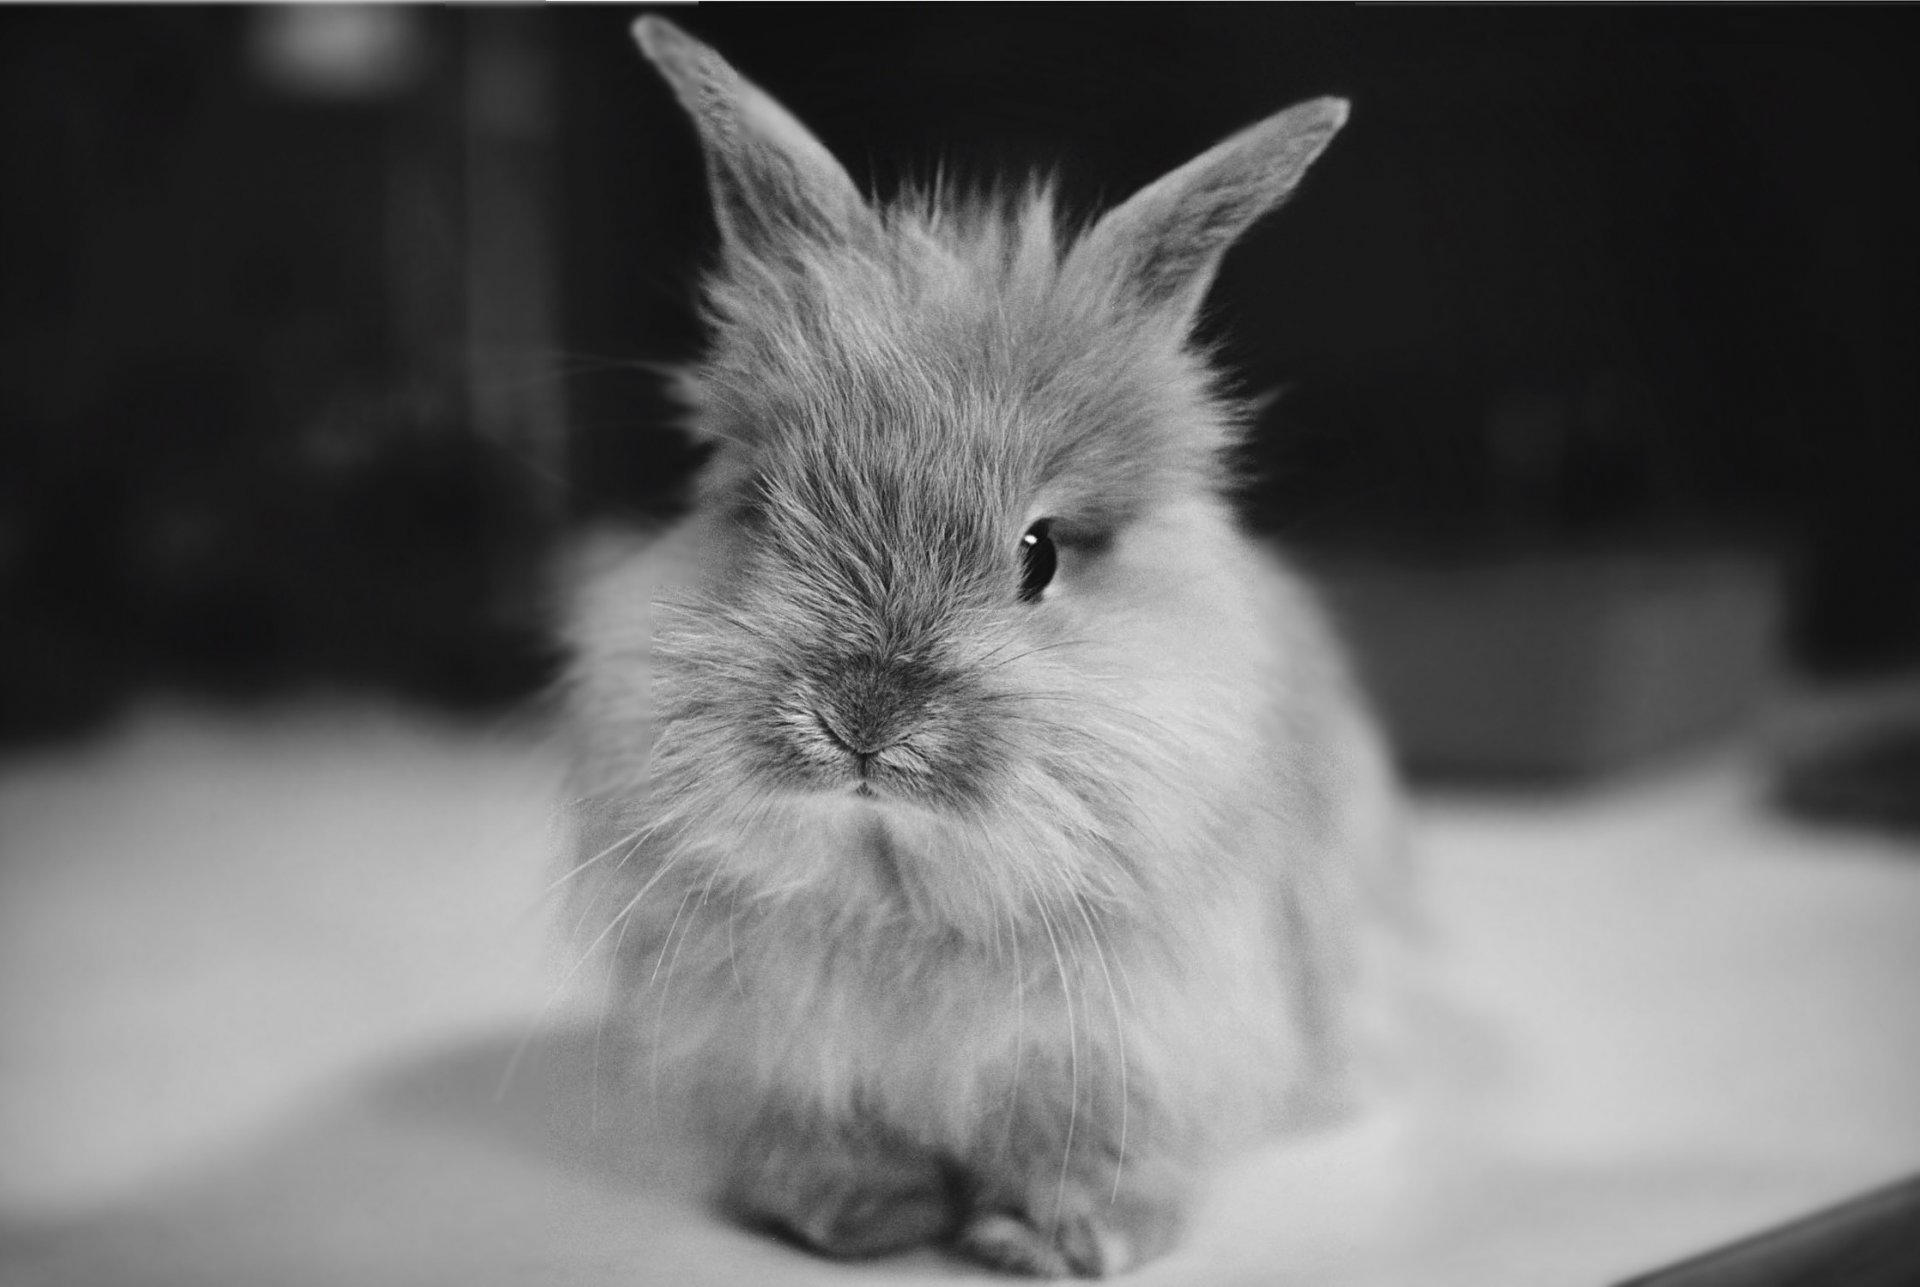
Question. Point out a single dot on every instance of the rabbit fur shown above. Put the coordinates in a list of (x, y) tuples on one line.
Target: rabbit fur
[(972, 918)]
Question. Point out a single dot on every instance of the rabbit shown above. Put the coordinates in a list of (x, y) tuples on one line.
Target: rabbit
[(986, 831)]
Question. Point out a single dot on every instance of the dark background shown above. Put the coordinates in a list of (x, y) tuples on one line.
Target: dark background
[(306, 374)]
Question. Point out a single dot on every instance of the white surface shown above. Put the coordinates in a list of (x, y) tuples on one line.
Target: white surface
[(260, 979)]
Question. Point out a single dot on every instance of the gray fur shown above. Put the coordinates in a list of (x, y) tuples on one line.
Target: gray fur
[(971, 919)]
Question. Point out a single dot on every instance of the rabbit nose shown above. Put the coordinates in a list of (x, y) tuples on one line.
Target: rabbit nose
[(861, 740), (872, 704)]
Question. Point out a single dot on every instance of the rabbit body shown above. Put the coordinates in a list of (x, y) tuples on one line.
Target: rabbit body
[(986, 828)]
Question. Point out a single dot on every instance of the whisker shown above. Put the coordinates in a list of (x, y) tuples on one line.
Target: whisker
[(625, 911), (1080, 699), (733, 961), (600, 1020), (520, 1050), (1019, 1023), (609, 878), (671, 927), (629, 838), (1073, 1067), (1120, 1040), (660, 1011), (1034, 651)]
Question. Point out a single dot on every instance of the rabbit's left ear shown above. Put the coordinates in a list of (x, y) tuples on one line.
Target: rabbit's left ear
[(773, 182), (1165, 242)]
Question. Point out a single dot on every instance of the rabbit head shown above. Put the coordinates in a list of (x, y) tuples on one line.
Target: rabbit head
[(965, 631)]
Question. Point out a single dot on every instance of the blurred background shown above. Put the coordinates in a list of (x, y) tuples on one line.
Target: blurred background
[(1588, 344)]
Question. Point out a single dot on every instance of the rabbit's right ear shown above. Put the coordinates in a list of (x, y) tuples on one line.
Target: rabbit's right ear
[(772, 180)]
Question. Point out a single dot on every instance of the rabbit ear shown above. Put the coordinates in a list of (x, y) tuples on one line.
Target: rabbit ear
[(1165, 242), (771, 179)]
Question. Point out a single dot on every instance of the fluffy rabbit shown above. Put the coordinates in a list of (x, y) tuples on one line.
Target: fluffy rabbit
[(986, 826)]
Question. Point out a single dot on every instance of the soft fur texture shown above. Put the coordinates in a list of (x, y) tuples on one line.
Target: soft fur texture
[(972, 919)]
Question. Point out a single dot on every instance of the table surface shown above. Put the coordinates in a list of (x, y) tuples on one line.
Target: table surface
[(261, 977)]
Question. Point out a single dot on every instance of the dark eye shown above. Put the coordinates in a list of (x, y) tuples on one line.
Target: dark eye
[(1038, 559)]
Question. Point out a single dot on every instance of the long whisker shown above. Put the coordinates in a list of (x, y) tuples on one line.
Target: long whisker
[(1019, 1023), (733, 961), (627, 910), (629, 839), (636, 840), (1120, 1039), (600, 1020), (660, 1011), (1080, 699), (991, 655), (1073, 1067), (519, 1051)]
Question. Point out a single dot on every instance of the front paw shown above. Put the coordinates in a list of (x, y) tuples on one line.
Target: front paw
[(1007, 1242), (852, 1219), (1090, 1237), (843, 1195)]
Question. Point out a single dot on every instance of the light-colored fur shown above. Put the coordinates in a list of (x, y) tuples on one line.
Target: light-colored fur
[(1097, 916)]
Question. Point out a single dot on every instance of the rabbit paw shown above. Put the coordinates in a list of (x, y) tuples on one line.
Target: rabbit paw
[(853, 1219), (1008, 1243), (1091, 1238), (846, 1198)]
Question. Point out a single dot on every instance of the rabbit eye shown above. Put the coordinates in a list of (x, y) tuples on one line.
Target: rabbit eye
[(1038, 560)]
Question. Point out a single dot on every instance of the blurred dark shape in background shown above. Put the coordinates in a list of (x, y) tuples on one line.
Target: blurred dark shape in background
[(248, 445), (323, 331)]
